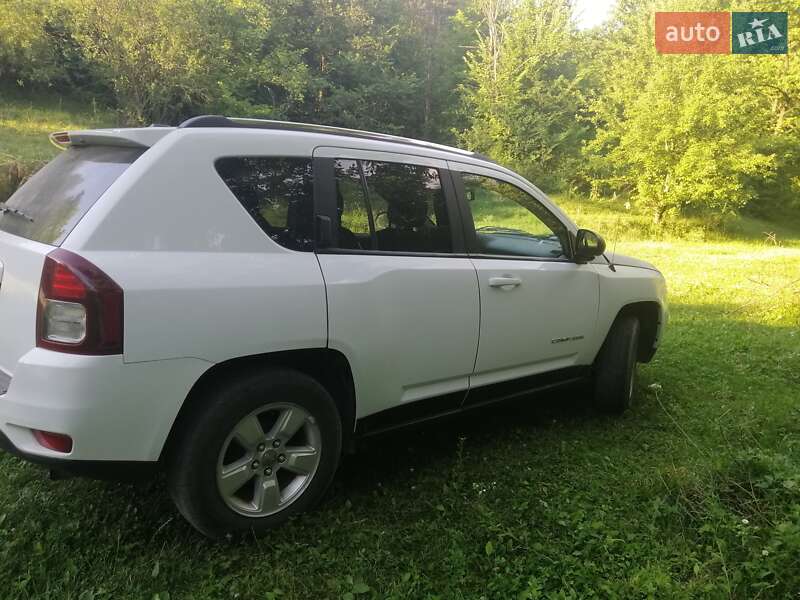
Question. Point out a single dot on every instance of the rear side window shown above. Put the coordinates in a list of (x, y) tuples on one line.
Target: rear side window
[(52, 202), (391, 207), (278, 193)]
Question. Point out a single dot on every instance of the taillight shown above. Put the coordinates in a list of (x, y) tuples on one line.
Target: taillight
[(80, 307)]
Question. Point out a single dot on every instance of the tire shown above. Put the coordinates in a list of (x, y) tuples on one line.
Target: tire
[(233, 439), (615, 368)]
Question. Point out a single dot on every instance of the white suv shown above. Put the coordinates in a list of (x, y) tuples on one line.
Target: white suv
[(237, 301)]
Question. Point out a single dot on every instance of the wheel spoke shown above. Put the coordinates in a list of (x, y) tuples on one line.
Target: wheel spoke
[(249, 432), (267, 496), (289, 423), (261, 470), (235, 475), (300, 459)]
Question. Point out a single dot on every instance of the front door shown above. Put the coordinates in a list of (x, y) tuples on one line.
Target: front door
[(538, 307), (402, 293)]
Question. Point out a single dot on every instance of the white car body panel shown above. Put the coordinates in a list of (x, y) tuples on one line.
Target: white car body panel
[(113, 411), (203, 285), (407, 325), (512, 347), (218, 305), (552, 295), (20, 274), (419, 314), (626, 285), (225, 289)]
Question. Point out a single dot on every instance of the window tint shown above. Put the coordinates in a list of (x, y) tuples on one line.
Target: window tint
[(391, 207), (277, 192), (356, 227), (52, 202), (509, 221)]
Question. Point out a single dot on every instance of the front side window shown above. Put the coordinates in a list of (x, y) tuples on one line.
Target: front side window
[(391, 207), (511, 222), (278, 193)]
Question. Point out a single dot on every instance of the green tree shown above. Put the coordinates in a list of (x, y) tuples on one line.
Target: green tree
[(27, 52), (165, 59), (777, 79), (391, 65), (686, 133), (524, 93), (388, 65), (346, 49), (432, 42)]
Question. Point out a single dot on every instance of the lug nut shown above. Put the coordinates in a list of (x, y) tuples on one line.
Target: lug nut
[(276, 443), (267, 471), (255, 464), (261, 447), (281, 458)]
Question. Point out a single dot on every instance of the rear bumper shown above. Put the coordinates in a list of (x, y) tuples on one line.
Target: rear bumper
[(113, 411), (94, 469)]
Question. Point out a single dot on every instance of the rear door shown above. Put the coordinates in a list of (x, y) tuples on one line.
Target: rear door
[(38, 217), (402, 293), (538, 307)]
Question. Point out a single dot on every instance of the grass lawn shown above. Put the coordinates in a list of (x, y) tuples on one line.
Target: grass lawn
[(693, 493)]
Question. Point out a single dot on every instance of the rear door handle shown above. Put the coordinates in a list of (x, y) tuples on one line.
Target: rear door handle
[(504, 281)]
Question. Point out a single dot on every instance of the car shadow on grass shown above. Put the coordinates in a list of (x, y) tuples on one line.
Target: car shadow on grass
[(389, 456), (711, 359)]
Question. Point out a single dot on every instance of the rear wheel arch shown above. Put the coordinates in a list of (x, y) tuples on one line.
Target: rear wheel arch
[(329, 368)]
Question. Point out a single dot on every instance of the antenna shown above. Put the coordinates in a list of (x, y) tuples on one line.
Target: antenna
[(614, 249)]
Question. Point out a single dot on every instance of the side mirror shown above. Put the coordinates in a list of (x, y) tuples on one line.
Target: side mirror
[(588, 245)]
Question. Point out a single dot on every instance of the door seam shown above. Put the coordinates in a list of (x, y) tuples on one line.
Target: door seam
[(480, 322)]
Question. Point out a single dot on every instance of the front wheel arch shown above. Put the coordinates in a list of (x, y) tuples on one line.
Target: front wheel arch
[(649, 315)]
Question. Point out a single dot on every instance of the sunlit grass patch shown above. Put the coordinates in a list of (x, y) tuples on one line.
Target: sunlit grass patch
[(26, 121)]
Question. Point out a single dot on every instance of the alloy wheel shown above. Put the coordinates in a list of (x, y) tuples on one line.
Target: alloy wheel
[(268, 459)]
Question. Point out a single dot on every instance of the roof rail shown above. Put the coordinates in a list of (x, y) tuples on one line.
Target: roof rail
[(222, 121)]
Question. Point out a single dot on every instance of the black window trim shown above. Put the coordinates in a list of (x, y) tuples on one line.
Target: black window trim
[(469, 223), (394, 253), (325, 206)]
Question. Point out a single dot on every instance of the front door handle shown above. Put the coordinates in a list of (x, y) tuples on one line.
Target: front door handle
[(504, 281)]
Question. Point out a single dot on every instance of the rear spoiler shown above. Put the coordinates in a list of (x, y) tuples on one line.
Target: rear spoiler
[(136, 137)]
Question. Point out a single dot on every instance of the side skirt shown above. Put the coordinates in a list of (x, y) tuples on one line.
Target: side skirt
[(449, 405)]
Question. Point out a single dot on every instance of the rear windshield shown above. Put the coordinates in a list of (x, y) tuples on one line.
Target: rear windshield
[(52, 202)]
